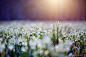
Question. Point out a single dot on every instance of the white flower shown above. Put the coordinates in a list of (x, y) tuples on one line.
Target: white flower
[(1, 50), (67, 48), (24, 43), (19, 40), (33, 37), (35, 53), (32, 43), (12, 40), (39, 43), (68, 43), (57, 48), (60, 48), (41, 51), (46, 40), (51, 26), (51, 48), (33, 47), (23, 49), (70, 54), (40, 29), (11, 47), (38, 32), (1, 39), (2, 47), (60, 41)]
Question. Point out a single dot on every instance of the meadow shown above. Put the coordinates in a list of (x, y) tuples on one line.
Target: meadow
[(42, 39)]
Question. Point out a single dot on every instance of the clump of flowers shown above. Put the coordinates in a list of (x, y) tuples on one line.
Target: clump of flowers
[(42, 40)]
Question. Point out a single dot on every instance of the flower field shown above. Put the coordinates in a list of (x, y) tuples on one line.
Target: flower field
[(42, 39)]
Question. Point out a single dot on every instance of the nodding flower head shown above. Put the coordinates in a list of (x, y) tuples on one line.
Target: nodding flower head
[(23, 49), (46, 40), (11, 47), (2, 47)]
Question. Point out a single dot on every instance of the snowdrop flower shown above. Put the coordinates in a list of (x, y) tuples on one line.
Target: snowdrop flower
[(1, 39), (60, 41), (40, 29), (32, 43), (41, 51), (45, 31), (51, 48), (1, 29), (60, 48), (32, 29), (11, 47), (21, 32), (16, 31), (66, 48), (23, 49), (33, 32), (12, 40), (33, 47), (56, 48), (2, 46), (35, 53), (23, 36), (39, 43), (1, 50), (38, 32), (33, 37), (19, 40), (70, 54), (6, 31), (68, 43), (51, 26), (46, 40), (11, 29), (82, 33), (24, 43)]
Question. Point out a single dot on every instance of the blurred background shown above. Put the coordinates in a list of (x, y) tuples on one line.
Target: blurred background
[(63, 10)]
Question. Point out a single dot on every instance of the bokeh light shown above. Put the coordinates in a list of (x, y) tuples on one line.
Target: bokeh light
[(43, 10)]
